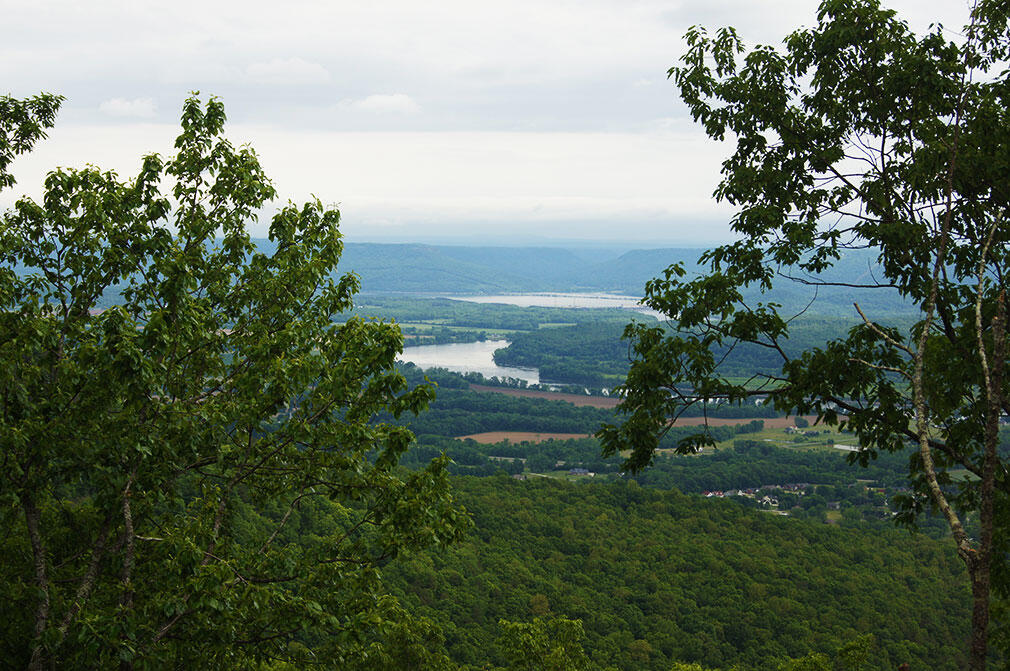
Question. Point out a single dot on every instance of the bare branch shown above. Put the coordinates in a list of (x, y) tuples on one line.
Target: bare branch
[(880, 332), (887, 369)]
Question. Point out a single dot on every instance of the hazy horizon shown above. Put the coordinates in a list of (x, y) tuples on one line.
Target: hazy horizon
[(448, 121)]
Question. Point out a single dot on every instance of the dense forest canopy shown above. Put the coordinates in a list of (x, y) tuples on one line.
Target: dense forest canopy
[(658, 577)]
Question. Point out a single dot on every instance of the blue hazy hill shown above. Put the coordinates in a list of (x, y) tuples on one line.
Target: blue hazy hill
[(437, 269)]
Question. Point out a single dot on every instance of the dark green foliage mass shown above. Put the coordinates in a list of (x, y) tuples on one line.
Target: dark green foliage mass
[(457, 411), (657, 577), (754, 464), (553, 644)]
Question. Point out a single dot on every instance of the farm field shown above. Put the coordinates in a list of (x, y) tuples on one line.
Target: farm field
[(775, 435), (575, 399), (820, 437), (491, 437)]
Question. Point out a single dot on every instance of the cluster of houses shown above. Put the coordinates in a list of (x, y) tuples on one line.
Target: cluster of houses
[(798, 488), (764, 499)]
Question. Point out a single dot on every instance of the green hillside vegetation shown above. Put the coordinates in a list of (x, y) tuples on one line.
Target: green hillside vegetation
[(591, 354), (595, 354), (814, 484), (426, 320), (657, 577), (748, 455), (457, 411)]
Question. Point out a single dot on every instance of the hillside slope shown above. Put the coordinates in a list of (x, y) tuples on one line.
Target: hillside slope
[(658, 577)]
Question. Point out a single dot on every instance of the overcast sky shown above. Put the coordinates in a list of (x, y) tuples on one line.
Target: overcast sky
[(498, 122)]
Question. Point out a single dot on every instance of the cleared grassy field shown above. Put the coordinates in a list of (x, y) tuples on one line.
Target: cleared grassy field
[(775, 433)]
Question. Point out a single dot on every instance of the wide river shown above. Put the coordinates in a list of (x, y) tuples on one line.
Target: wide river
[(478, 356), (470, 357), (564, 300)]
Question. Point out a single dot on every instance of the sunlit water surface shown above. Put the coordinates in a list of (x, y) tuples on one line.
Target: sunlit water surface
[(471, 357)]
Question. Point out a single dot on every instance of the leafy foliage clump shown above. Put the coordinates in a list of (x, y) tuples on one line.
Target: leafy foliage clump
[(192, 477)]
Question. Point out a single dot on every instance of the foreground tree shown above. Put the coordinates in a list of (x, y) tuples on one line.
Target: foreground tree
[(858, 134), (192, 473)]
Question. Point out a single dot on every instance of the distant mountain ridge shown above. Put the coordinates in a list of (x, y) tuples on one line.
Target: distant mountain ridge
[(445, 269), (487, 270)]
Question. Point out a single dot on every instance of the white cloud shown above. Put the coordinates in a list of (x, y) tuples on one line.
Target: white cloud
[(396, 103), (142, 108), (287, 71)]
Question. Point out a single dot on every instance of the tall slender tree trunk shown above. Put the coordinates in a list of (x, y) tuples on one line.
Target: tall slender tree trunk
[(33, 521), (980, 566), (979, 618)]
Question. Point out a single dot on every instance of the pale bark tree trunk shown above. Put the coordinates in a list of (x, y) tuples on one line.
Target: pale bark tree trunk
[(33, 522)]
